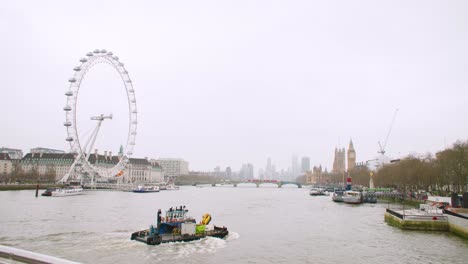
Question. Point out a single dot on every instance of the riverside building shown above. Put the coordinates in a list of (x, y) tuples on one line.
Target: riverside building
[(173, 167), (6, 164), (56, 165), (15, 154)]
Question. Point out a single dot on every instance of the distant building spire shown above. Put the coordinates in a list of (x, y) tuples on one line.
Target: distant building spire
[(351, 156), (121, 151)]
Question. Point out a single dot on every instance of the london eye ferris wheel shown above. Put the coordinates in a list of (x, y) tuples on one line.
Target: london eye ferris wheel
[(82, 150)]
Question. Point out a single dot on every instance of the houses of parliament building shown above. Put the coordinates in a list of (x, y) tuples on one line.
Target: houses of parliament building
[(339, 166), (339, 163)]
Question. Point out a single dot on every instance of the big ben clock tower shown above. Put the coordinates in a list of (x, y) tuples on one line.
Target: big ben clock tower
[(351, 156)]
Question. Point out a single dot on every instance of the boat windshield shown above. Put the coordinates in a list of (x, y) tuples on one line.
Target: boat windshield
[(176, 214)]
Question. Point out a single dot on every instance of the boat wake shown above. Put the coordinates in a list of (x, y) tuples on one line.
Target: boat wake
[(232, 236), (193, 250)]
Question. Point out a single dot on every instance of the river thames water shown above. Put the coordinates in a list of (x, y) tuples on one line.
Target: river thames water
[(267, 225)]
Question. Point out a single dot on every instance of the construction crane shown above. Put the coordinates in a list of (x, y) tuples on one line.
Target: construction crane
[(382, 147)]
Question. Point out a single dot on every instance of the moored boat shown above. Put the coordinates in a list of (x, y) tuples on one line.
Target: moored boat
[(352, 197), (316, 192), (146, 189), (177, 226), (65, 191), (337, 196), (48, 191), (370, 197), (172, 187)]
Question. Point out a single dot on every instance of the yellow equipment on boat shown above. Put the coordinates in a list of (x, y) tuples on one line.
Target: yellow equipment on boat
[(206, 219)]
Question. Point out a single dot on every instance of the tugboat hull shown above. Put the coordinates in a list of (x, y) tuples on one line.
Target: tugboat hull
[(156, 239)]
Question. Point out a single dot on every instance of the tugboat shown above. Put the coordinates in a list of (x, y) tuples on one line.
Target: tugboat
[(177, 226)]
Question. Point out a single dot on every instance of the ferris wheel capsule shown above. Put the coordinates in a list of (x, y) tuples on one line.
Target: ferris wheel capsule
[(110, 53), (69, 139), (103, 51), (115, 58), (121, 64), (72, 80), (67, 124), (96, 51), (67, 108), (69, 93), (89, 54), (128, 81), (77, 69), (131, 90), (83, 60)]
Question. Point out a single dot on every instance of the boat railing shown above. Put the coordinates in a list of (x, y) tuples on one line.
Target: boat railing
[(455, 214), (29, 257), (416, 216)]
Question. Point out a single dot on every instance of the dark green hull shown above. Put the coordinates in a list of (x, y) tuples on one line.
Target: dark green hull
[(156, 239)]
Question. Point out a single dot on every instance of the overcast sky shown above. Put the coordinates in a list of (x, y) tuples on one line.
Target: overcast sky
[(229, 82)]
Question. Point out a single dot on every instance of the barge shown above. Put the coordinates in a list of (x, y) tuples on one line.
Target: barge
[(177, 226)]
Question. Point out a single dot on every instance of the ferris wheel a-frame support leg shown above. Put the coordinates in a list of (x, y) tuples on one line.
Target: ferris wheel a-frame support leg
[(87, 151)]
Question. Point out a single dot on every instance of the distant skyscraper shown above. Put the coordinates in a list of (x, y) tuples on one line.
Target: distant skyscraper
[(351, 156), (295, 167), (305, 164), (261, 174), (228, 172), (268, 173), (339, 164), (247, 172)]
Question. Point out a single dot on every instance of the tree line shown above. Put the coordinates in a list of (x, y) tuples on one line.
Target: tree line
[(18, 175), (443, 173)]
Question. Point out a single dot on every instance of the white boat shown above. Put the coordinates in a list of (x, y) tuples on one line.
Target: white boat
[(172, 187), (67, 191), (337, 196), (146, 189), (316, 191), (352, 197)]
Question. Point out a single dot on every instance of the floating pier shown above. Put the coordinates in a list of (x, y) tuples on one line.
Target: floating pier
[(414, 219), (428, 218)]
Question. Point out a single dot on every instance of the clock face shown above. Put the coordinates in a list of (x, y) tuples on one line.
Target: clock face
[(352, 155)]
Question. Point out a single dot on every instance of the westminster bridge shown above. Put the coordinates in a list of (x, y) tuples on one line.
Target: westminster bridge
[(258, 183)]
